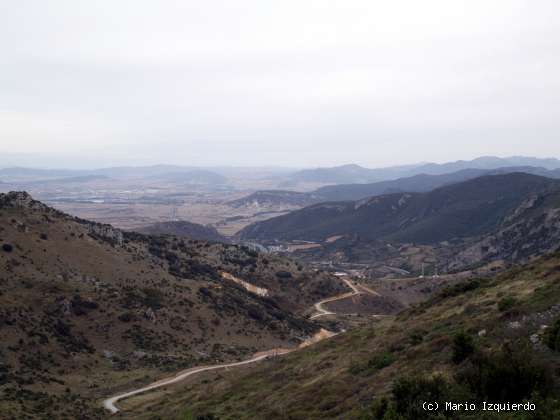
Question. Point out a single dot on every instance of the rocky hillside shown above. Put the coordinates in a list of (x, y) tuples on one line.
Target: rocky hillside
[(184, 229), (86, 310)]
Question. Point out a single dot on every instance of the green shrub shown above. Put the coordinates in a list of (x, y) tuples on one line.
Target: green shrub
[(153, 297), (284, 275), (460, 288), (553, 336), (463, 347), (506, 303), (410, 392), (378, 362), (510, 374), (416, 337)]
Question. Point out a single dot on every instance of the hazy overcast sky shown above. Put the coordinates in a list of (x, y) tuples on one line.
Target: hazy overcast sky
[(268, 82)]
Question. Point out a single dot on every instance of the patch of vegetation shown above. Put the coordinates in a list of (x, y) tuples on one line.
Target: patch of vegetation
[(506, 303), (81, 306), (553, 336), (463, 347), (153, 298), (508, 375), (71, 341), (416, 337), (512, 374), (408, 393), (378, 362), (127, 317), (460, 288)]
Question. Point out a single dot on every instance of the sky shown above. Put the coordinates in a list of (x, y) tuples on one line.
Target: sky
[(286, 83)]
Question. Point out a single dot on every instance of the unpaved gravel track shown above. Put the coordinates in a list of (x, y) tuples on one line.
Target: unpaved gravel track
[(110, 403)]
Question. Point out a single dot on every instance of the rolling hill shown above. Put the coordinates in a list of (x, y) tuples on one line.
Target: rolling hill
[(344, 174)]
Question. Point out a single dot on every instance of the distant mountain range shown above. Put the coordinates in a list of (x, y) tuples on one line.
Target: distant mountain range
[(349, 192), (73, 180), (171, 171), (29, 178), (354, 174), (347, 174), (283, 177)]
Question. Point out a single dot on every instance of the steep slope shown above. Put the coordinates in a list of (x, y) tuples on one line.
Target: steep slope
[(483, 340), (86, 310), (184, 229), (466, 209)]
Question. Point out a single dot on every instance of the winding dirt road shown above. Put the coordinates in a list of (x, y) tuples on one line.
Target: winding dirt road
[(356, 290), (110, 403)]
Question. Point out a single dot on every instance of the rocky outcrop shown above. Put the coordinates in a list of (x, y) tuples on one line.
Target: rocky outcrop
[(20, 199), (260, 291), (106, 232)]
